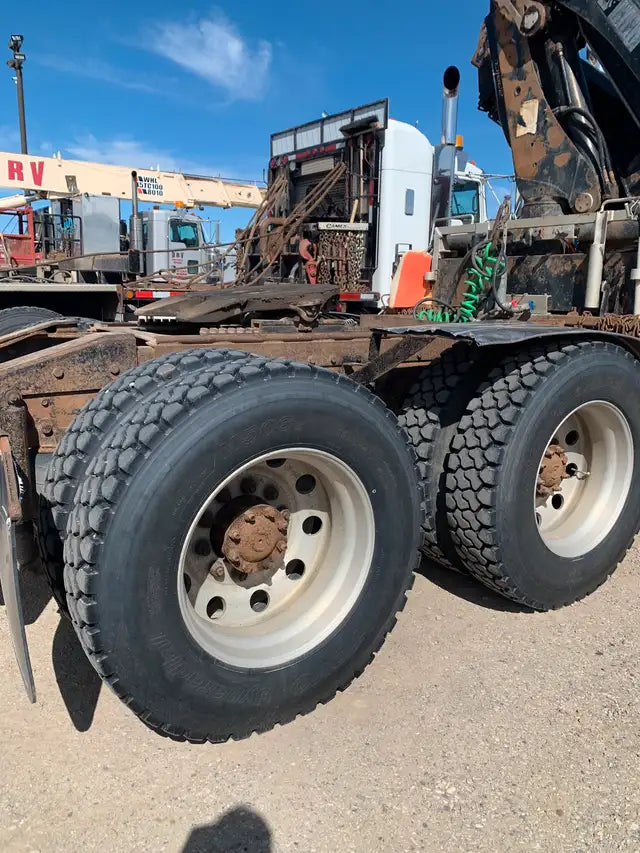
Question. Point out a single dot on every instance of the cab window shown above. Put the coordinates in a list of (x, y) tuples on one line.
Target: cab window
[(466, 199), (185, 232)]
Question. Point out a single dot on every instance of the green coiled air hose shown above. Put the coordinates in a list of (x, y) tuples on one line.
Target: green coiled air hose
[(484, 269)]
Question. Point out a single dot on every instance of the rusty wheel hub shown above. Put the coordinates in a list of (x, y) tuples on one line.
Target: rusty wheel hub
[(257, 539), (552, 471)]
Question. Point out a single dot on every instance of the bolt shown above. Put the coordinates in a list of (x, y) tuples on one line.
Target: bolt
[(58, 372), (281, 546), (250, 517), (217, 570), (114, 370), (13, 397), (270, 514), (286, 514), (283, 526), (46, 403), (234, 537), (47, 428), (233, 557)]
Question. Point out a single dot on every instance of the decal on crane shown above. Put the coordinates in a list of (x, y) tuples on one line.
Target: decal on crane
[(15, 171), (150, 185)]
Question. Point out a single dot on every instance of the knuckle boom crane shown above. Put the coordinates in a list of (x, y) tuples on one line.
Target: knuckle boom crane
[(562, 80)]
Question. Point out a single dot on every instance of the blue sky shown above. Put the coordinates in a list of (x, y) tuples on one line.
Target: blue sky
[(200, 87)]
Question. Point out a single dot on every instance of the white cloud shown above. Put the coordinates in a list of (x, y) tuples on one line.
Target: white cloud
[(213, 49), (96, 69), (121, 151)]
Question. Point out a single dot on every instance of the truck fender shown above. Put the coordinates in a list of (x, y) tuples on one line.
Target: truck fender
[(10, 515)]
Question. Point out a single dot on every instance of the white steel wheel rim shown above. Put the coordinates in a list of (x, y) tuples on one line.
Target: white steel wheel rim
[(575, 519), (270, 618)]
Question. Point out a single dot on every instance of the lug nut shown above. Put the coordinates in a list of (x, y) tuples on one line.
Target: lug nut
[(281, 546), (217, 570), (250, 517), (234, 537), (283, 526), (270, 514)]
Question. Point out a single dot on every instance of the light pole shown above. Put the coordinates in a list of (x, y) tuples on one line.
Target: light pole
[(15, 45)]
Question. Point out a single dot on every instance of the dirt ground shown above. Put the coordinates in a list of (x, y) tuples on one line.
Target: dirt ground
[(477, 728)]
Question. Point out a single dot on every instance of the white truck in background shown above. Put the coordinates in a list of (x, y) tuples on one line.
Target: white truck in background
[(78, 255), (394, 187)]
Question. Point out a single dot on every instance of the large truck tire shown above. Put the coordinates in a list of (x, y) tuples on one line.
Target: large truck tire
[(241, 545), (24, 316), (430, 415), (543, 493), (89, 429)]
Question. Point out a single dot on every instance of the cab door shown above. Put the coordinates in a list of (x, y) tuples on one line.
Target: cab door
[(185, 245)]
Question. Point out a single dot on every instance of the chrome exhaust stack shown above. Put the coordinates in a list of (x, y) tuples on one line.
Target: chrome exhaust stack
[(446, 153), (450, 101)]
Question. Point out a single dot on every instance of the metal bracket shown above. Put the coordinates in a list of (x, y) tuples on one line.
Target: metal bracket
[(528, 22)]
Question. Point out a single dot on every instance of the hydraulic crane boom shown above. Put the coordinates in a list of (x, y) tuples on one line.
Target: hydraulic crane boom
[(573, 125), (53, 177)]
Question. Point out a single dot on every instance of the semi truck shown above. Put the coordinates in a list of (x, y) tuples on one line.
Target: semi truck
[(381, 186), (230, 498)]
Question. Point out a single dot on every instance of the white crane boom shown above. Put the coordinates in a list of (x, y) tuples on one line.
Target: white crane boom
[(53, 177)]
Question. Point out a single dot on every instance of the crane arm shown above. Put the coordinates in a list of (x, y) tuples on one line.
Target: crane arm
[(573, 125), (52, 177)]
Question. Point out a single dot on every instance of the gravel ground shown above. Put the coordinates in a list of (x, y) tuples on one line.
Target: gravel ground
[(477, 728)]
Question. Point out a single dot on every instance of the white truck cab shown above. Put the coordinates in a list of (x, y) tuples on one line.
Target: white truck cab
[(407, 195)]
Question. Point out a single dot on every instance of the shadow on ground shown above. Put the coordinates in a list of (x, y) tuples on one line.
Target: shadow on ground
[(35, 595), (467, 588), (240, 830), (77, 680)]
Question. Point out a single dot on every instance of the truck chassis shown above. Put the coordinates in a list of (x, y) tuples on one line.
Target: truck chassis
[(428, 418)]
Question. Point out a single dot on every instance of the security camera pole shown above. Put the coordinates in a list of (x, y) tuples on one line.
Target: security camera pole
[(15, 45)]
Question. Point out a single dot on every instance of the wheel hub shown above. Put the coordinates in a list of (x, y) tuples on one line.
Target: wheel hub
[(584, 479), (553, 471), (256, 540)]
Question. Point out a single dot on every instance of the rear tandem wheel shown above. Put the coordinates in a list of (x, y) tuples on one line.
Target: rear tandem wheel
[(543, 489)]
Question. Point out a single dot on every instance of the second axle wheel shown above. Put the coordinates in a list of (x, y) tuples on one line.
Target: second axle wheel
[(543, 494)]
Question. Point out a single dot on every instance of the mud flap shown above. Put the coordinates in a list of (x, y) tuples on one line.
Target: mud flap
[(10, 514)]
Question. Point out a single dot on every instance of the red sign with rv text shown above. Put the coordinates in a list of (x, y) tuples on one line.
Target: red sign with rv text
[(17, 169)]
